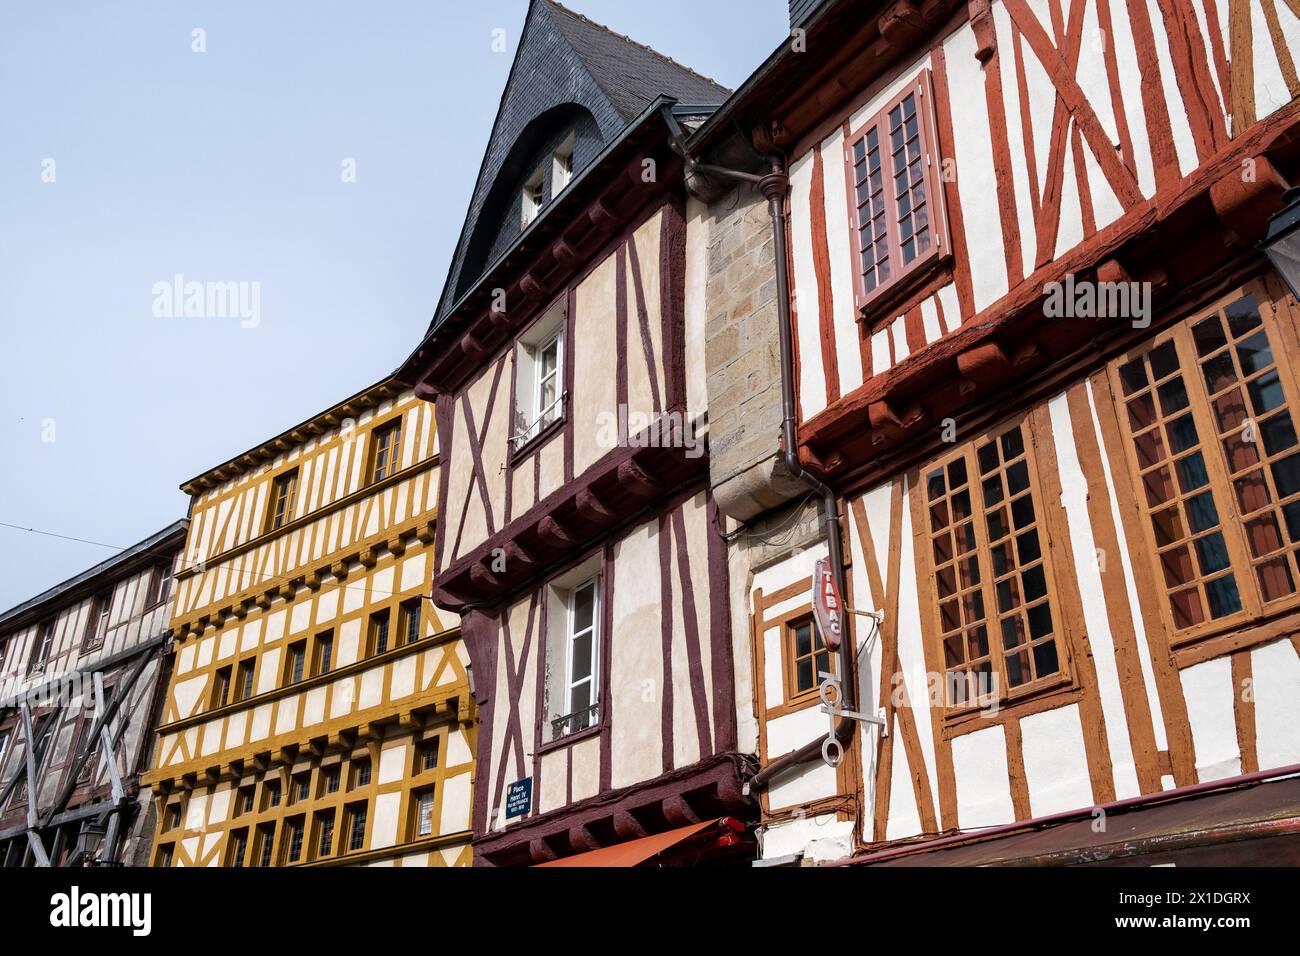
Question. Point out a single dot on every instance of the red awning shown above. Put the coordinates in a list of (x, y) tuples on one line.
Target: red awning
[(636, 852)]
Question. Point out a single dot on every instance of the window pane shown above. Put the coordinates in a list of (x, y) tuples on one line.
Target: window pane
[(583, 606)]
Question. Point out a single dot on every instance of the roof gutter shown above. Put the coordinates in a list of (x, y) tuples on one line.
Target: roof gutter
[(774, 186)]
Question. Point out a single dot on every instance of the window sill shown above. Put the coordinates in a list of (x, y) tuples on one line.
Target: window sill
[(1047, 694), (927, 275), (569, 740), (1244, 631), (543, 437), (793, 705)]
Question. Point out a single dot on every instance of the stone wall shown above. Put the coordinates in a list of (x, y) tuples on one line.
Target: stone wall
[(742, 354)]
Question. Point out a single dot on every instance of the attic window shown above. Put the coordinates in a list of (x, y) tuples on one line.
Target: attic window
[(563, 172), (532, 197)]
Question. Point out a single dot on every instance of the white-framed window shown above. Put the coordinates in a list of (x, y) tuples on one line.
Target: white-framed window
[(573, 643), (533, 197), (562, 167), (581, 656), (539, 377), (4, 745)]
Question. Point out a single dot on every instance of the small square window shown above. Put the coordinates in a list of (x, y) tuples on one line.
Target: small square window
[(360, 773), (562, 167), (330, 783), (221, 688), (384, 452), (236, 848), (296, 663), (265, 844), (356, 824), (244, 688), (378, 638), (97, 623), (807, 655), (283, 493), (41, 649), (324, 839), (160, 579), (411, 618), (426, 755), (166, 852), (291, 840), (324, 654), (531, 198), (422, 805)]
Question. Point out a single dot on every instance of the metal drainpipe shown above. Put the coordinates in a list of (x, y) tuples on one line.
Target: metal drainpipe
[(774, 187)]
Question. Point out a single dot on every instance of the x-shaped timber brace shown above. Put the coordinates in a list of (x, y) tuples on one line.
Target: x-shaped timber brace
[(104, 714)]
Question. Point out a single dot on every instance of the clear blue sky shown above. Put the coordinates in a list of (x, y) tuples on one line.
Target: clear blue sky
[(226, 165)]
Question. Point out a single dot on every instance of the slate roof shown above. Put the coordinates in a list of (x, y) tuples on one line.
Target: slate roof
[(172, 535), (630, 73), (564, 58)]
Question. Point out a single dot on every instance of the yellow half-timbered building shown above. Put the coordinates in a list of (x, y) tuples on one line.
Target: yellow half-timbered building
[(318, 711)]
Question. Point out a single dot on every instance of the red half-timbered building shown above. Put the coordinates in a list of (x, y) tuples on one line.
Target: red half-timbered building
[(1049, 378)]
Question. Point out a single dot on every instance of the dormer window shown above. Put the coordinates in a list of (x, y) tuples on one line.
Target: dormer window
[(539, 377), (533, 197), (562, 174)]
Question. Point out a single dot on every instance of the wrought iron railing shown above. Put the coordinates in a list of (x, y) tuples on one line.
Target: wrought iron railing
[(574, 722)]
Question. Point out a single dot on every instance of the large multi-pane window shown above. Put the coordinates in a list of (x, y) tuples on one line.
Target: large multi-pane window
[(896, 210), (996, 622), (1207, 414)]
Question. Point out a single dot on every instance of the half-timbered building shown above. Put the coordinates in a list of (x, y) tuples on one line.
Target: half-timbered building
[(318, 712), (579, 541), (82, 670), (1038, 360)]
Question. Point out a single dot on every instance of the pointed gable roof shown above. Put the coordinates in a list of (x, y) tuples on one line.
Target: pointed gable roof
[(629, 73), (565, 65)]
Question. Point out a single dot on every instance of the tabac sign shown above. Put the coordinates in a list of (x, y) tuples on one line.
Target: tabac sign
[(828, 604)]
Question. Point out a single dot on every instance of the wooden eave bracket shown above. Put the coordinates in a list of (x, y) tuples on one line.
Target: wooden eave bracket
[(981, 20), (1247, 197)]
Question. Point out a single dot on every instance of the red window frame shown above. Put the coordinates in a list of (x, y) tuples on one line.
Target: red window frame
[(927, 138)]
